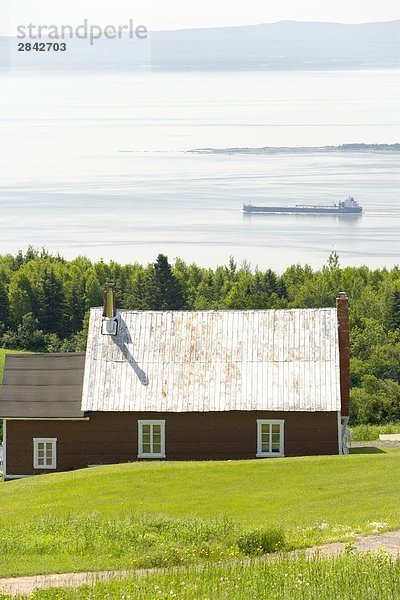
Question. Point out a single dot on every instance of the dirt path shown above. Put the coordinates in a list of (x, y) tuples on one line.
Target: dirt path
[(24, 586), (390, 541)]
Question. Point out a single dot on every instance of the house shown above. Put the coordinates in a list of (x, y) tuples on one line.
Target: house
[(184, 385)]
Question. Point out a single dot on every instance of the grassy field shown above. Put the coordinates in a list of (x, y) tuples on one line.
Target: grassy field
[(370, 433), (172, 513), (346, 577)]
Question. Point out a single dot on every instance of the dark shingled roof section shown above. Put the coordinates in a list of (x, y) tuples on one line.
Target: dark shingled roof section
[(42, 386)]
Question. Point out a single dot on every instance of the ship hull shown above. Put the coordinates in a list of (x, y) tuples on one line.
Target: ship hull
[(306, 210)]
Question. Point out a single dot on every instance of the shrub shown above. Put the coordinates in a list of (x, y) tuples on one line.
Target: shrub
[(261, 541), (370, 433), (376, 402)]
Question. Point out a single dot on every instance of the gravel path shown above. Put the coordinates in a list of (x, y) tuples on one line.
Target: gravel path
[(24, 586), (390, 541), (375, 444)]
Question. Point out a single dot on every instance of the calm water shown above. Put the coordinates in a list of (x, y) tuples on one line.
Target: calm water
[(96, 165)]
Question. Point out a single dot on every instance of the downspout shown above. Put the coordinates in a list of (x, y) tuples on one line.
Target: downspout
[(342, 308), (4, 449)]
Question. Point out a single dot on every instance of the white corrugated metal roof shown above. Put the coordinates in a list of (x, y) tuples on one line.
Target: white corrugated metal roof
[(286, 360)]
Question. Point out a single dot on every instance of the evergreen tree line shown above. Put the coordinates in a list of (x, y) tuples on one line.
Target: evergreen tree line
[(45, 299)]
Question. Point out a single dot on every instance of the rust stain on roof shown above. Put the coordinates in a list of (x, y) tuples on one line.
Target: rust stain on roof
[(214, 361)]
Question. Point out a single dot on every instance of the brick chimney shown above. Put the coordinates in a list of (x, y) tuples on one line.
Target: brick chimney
[(342, 307), (110, 322)]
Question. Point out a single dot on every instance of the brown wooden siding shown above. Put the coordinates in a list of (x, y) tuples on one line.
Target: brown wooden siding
[(113, 437)]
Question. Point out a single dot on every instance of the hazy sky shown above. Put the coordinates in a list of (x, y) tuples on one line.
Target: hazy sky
[(178, 14)]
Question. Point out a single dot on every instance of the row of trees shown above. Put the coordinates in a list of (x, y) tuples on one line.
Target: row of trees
[(44, 303)]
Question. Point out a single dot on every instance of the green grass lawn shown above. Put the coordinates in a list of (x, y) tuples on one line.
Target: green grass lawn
[(346, 577), (165, 513), (292, 491)]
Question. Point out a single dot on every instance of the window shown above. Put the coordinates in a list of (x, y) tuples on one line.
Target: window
[(44, 453), (151, 439), (270, 437)]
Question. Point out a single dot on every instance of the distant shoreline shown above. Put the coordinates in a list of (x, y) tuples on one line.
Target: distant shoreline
[(345, 148)]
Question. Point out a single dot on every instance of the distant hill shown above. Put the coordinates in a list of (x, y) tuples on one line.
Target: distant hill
[(283, 45), (287, 45)]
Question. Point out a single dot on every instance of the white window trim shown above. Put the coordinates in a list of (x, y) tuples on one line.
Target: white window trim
[(279, 422), (140, 439), (36, 442)]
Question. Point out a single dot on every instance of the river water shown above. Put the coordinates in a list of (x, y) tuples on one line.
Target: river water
[(97, 164)]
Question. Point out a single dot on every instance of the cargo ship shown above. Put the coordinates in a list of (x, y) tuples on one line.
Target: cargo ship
[(345, 207)]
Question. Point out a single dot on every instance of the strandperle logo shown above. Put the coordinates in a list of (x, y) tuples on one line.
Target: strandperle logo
[(85, 31)]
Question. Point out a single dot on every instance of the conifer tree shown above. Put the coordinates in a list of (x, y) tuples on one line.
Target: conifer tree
[(394, 309), (50, 301), (163, 291), (4, 304)]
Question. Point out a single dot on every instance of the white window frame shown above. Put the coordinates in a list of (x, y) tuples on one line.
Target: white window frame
[(281, 423), (36, 442), (142, 454)]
